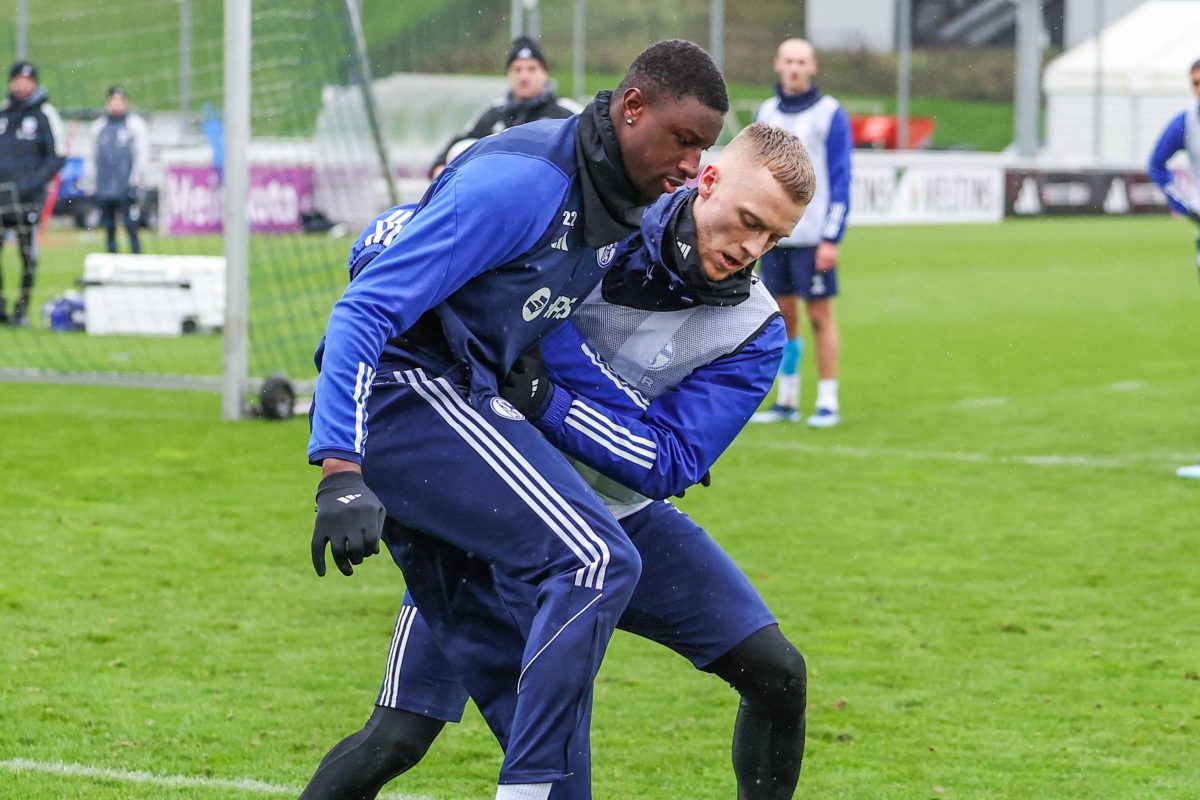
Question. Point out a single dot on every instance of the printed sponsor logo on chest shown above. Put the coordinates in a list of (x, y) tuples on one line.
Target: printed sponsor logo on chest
[(539, 304)]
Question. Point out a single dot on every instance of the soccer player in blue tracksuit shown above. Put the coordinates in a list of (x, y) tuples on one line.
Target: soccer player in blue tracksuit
[(805, 264), (645, 386), (1182, 133), (440, 305)]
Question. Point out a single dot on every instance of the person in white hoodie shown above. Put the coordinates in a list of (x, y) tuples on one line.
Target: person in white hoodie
[(116, 167)]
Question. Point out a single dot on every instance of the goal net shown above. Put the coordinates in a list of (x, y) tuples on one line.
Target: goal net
[(157, 318)]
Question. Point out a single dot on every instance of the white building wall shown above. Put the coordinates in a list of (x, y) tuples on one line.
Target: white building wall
[(851, 24)]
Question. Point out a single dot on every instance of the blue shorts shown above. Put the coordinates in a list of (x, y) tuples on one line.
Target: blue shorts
[(793, 271), (691, 598)]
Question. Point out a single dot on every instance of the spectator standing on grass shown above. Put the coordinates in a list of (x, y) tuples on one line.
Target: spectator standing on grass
[(804, 265), (1182, 133), (31, 154), (116, 166), (530, 97)]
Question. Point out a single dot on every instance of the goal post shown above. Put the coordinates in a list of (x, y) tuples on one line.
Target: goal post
[(236, 343)]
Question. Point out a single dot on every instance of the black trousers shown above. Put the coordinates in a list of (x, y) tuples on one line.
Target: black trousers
[(22, 219), (109, 208)]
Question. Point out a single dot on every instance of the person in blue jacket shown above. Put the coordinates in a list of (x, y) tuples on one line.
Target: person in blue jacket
[(442, 301), (644, 387), (1182, 133)]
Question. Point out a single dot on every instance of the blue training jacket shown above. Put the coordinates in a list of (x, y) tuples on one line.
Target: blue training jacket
[(490, 259), (662, 441), (1173, 139), (686, 427)]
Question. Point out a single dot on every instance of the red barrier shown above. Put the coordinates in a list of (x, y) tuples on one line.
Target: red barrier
[(881, 132)]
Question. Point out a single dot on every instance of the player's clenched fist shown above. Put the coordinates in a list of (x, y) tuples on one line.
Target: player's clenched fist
[(350, 518)]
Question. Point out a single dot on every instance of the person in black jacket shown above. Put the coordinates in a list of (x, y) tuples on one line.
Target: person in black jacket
[(30, 156), (530, 97)]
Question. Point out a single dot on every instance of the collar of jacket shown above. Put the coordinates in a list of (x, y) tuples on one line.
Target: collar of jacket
[(793, 103), (672, 278), (513, 105), (612, 207), (34, 100)]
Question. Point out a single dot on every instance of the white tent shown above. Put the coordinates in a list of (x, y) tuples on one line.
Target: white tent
[(1134, 84), (418, 114)]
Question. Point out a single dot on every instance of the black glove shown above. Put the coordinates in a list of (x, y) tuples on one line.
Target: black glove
[(527, 387), (705, 481), (349, 517)]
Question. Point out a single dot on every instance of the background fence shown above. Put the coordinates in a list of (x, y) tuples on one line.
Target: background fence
[(316, 172)]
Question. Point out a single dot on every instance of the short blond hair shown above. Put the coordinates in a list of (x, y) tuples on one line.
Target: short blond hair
[(783, 155)]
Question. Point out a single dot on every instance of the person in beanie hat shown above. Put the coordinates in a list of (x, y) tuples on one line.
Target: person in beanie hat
[(31, 154), (116, 166), (24, 69), (530, 97)]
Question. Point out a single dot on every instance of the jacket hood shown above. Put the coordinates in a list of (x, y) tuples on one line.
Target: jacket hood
[(657, 219), (661, 269)]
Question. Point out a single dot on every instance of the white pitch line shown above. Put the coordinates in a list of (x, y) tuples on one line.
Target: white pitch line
[(1130, 460), (25, 765), (982, 402)]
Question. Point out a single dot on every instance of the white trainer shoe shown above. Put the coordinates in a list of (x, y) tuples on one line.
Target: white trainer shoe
[(1190, 471), (777, 413), (824, 418)]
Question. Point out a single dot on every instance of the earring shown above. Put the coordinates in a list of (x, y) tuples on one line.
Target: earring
[(629, 120)]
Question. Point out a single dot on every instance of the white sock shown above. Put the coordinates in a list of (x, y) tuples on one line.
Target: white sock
[(827, 395), (523, 791), (789, 391)]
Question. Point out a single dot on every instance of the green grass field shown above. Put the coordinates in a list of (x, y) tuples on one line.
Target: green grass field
[(989, 566)]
